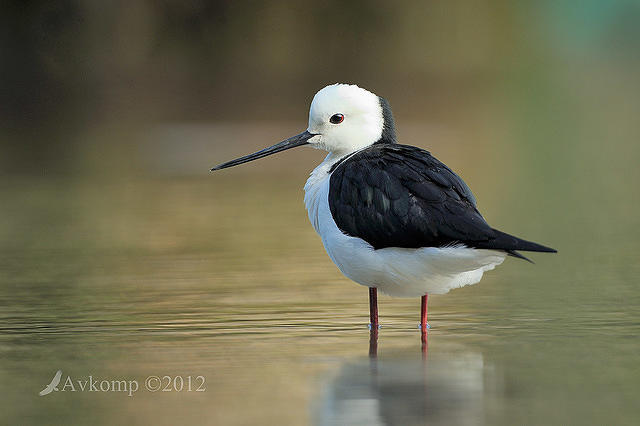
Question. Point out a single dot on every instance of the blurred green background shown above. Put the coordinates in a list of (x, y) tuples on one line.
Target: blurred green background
[(120, 256)]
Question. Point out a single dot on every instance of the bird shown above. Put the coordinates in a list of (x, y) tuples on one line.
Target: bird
[(391, 217), (53, 385)]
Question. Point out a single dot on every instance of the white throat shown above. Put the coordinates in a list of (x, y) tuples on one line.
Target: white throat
[(316, 190)]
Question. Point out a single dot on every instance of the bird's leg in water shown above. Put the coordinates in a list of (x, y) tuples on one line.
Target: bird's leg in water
[(373, 322), (373, 308), (424, 326)]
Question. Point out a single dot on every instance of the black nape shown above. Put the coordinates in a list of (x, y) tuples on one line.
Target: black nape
[(389, 126)]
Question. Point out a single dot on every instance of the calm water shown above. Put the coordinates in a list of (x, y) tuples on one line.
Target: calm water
[(131, 276)]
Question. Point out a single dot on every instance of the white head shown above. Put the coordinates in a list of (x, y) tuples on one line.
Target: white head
[(343, 118)]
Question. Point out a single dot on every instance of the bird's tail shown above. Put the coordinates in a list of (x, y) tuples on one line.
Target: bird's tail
[(510, 244)]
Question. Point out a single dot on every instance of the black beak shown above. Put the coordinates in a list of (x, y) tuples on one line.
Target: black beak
[(292, 142)]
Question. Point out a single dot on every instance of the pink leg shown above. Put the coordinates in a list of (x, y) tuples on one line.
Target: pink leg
[(423, 324), (423, 313), (373, 322), (373, 308)]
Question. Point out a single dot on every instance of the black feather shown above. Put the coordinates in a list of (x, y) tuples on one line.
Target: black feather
[(393, 195), (388, 125)]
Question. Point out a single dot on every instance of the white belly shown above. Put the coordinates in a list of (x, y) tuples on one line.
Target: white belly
[(400, 272)]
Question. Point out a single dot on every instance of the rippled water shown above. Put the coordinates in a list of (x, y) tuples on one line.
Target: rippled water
[(222, 277)]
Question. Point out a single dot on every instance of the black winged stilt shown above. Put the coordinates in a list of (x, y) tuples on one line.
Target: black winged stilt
[(391, 216)]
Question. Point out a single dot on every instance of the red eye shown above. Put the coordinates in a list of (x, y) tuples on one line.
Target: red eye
[(336, 119)]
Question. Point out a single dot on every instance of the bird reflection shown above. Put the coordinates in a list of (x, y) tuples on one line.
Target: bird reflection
[(424, 340), (373, 342), (405, 389)]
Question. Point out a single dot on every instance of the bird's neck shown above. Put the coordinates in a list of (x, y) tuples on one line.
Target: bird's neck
[(321, 173), (313, 189), (335, 156)]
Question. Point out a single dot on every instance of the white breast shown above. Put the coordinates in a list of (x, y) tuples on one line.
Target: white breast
[(400, 272)]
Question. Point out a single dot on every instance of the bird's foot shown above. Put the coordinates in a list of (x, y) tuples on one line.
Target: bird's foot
[(420, 326), (370, 326)]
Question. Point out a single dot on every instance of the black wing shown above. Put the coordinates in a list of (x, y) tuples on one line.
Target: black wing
[(395, 195)]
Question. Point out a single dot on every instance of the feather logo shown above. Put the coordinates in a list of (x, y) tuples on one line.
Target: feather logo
[(53, 385)]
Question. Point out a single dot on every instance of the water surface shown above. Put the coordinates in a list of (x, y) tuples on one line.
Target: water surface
[(133, 275)]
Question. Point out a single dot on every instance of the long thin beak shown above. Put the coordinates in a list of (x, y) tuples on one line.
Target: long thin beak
[(292, 142)]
